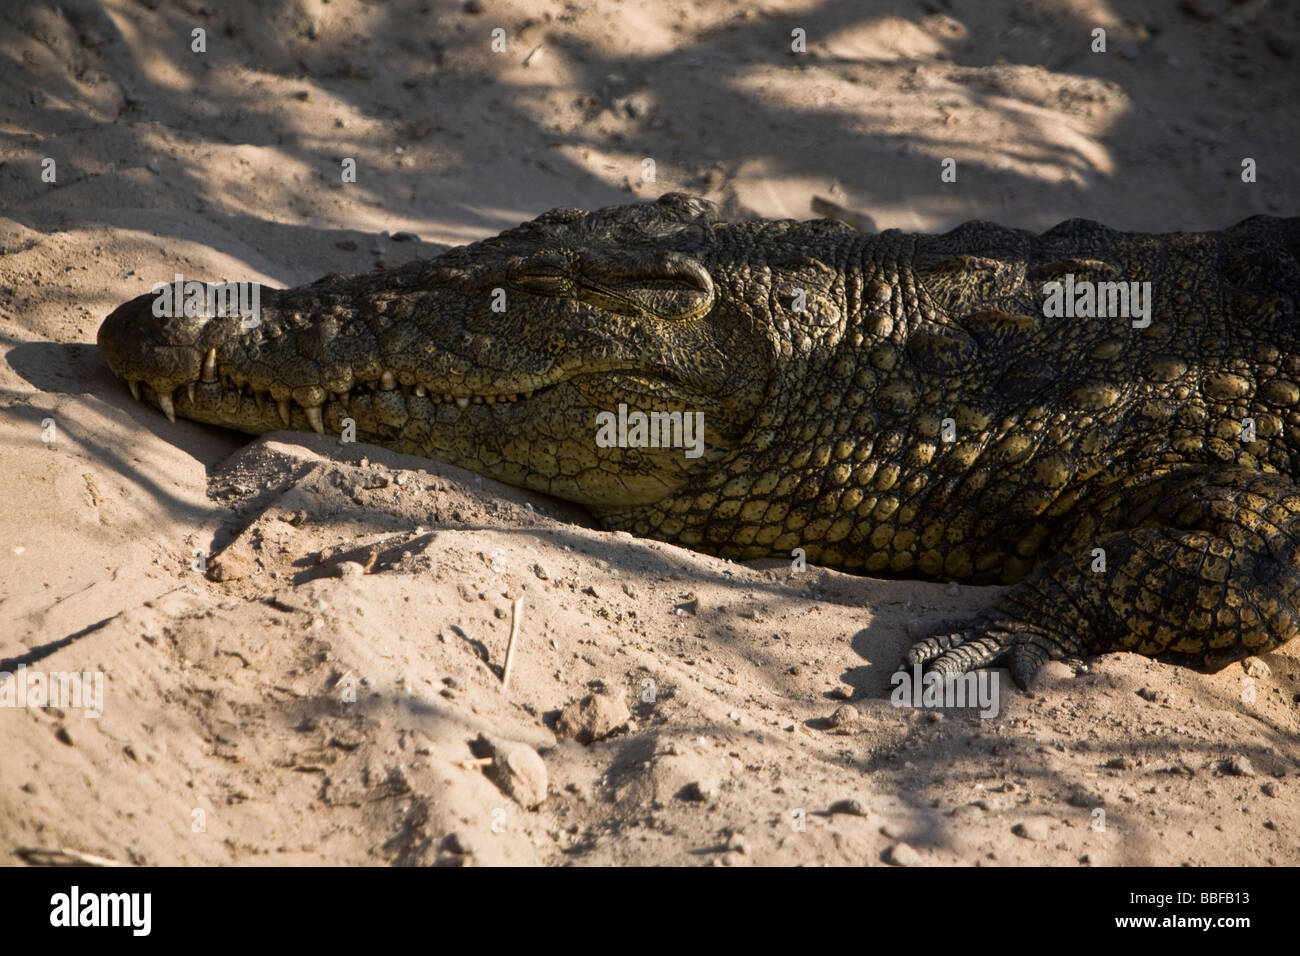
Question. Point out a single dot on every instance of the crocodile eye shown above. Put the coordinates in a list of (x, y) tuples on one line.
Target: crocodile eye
[(543, 274), (542, 283)]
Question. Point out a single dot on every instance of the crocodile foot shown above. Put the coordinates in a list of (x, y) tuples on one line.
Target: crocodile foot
[(955, 647)]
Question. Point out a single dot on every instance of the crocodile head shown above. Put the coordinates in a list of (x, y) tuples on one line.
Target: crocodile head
[(497, 356)]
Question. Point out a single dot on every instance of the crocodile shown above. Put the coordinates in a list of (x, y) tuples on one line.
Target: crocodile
[(1108, 423)]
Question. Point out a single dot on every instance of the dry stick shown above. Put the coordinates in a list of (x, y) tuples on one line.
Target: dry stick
[(63, 856), (859, 221), (515, 616)]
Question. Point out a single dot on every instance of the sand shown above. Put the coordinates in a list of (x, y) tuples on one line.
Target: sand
[(322, 683)]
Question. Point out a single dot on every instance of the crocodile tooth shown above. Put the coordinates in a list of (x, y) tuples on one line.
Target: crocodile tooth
[(165, 403), (210, 366), (135, 390), (313, 416), (284, 410), (490, 399), (345, 399), (512, 398), (462, 403), (387, 381), (528, 394), (446, 398), (419, 390), (261, 402), (477, 399), (189, 390)]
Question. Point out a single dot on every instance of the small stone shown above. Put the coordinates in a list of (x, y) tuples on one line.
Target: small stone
[(1269, 789), (1119, 763), (851, 806), (1035, 828), (1146, 693), (349, 569), (1255, 667), (900, 854), (541, 573), (637, 105), (841, 692), (473, 7), (1237, 766), (455, 843), (62, 736), (698, 791), (516, 768), (846, 715), (595, 717), (1083, 799)]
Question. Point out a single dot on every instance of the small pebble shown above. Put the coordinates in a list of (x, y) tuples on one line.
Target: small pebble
[(1032, 829), (900, 854), (1255, 667), (851, 806), (1237, 766), (846, 715)]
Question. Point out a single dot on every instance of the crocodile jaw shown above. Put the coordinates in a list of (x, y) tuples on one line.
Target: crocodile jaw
[(534, 425)]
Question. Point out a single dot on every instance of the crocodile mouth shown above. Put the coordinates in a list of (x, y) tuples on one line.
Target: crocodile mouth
[(218, 398), (226, 389)]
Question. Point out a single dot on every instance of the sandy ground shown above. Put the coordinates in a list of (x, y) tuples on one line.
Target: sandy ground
[(328, 689)]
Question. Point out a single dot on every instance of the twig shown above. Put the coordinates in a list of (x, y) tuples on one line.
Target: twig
[(516, 615), (39, 856), (858, 220)]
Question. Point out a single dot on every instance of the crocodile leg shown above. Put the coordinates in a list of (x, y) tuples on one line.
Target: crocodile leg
[(1207, 573)]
